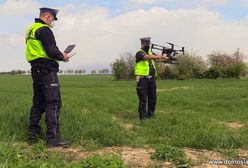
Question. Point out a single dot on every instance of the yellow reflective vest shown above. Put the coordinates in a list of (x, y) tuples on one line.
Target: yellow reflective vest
[(34, 47), (142, 67)]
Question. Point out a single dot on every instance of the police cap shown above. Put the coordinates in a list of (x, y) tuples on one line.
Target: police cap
[(145, 40), (54, 12)]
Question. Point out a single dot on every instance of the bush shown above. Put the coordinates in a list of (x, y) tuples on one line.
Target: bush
[(219, 65), (226, 66), (214, 72), (189, 66), (123, 67), (236, 70), (168, 153), (166, 71)]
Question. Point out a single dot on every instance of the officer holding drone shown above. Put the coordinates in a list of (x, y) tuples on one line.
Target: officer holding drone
[(145, 72)]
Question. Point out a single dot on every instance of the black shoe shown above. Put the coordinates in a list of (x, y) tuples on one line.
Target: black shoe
[(58, 143), (32, 140), (150, 116), (143, 119)]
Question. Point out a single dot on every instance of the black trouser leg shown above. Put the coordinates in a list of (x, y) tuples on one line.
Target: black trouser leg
[(52, 96), (142, 94), (46, 98), (152, 96), (38, 105)]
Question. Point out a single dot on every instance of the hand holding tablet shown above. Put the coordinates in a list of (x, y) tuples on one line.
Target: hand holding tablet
[(68, 49)]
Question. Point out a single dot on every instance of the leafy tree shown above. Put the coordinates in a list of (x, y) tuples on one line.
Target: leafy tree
[(104, 71), (123, 67), (17, 72), (188, 66), (93, 72), (223, 65), (166, 71)]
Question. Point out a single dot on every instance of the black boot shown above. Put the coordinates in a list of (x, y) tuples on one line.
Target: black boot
[(32, 139), (58, 143)]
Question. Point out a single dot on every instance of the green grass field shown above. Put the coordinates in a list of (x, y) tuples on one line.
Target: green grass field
[(97, 111)]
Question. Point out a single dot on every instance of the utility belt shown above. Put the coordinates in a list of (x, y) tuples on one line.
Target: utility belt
[(138, 77), (41, 70), (44, 65), (147, 77)]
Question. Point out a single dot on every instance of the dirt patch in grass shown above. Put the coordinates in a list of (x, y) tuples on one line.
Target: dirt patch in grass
[(200, 158), (127, 126), (114, 118), (132, 157), (136, 157), (84, 110), (141, 157), (235, 125), (243, 154), (173, 89), (231, 124)]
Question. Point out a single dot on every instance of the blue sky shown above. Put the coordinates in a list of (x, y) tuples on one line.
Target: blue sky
[(234, 10), (229, 10), (106, 29)]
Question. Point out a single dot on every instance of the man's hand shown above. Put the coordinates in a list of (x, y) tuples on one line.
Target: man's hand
[(165, 58), (65, 57)]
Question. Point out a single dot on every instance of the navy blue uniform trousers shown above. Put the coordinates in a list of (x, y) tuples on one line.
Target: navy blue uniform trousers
[(46, 99), (146, 90)]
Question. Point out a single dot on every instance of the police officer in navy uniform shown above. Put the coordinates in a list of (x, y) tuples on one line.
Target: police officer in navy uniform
[(145, 72), (43, 55)]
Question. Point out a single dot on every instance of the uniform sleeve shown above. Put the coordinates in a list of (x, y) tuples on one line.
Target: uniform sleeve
[(45, 35), (139, 56)]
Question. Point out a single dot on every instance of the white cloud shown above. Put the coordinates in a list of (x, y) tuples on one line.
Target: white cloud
[(18, 7), (147, 1), (216, 2), (196, 2), (100, 39), (14, 40), (153, 2), (13, 52), (244, 2)]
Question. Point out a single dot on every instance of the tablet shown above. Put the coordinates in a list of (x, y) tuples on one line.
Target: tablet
[(69, 48)]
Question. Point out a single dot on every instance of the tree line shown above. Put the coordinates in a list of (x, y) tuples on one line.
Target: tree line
[(61, 72), (189, 66), (217, 65)]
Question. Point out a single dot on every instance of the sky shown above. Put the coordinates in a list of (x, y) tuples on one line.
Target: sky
[(104, 30)]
